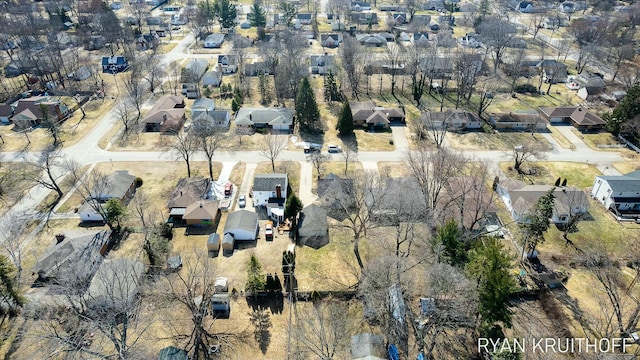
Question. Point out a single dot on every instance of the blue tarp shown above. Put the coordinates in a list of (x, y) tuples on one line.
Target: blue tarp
[(421, 356), (393, 352)]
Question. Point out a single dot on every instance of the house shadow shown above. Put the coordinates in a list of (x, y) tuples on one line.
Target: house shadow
[(262, 212), (199, 230), (350, 142)]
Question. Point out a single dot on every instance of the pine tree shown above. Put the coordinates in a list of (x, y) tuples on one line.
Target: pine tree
[(537, 222), (264, 88), (628, 108), (331, 92), (255, 278), (345, 121), (307, 112), (449, 237), (292, 206), (9, 291)]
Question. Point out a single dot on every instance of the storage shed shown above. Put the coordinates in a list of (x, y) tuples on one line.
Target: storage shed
[(227, 244), (242, 225), (213, 243)]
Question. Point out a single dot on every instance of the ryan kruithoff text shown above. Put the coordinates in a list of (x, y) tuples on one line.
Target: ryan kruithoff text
[(555, 345)]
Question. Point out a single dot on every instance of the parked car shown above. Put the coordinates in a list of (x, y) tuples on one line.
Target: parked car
[(332, 149), (242, 200), (311, 148), (228, 189), (268, 231)]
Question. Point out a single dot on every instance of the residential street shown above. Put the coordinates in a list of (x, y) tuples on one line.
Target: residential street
[(87, 152)]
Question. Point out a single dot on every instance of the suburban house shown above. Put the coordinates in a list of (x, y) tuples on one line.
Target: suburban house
[(519, 120), (313, 229), (115, 285), (255, 66), (364, 18), (589, 86), (520, 199), (270, 191), (371, 40), (523, 6), (188, 191), (33, 111), (393, 203), (400, 18), (118, 185), (73, 258), (421, 38), (213, 77), (552, 71), (320, 64), (114, 64), (213, 41), (453, 120), (6, 111), (330, 40), (202, 213), (194, 70), (433, 5), (577, 116), (620, 194), (420, 21), (368, 114), (336, 195), (203, 111), (360, 6), (242, 225), (279, 119), (147, 41), (228, 63), (167, 115), (304, 18), (388, 7), (13, 69)]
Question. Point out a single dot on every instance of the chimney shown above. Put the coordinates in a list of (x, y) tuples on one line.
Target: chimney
[(250, 117), (59, 238), (278, 191), (180, 192)]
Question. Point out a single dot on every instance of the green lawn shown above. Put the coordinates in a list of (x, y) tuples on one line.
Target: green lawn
[(578, 174), (490, 141)]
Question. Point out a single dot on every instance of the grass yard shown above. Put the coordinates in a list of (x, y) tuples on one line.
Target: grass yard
[(625, 167), (490, 141), (291, 168), (337, 167), (560, 139), (394, 169), (577, 174)]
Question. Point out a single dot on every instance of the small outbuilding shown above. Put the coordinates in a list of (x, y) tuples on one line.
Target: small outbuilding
[(173, 353), (213, 243), (228, 243), (242, 225)]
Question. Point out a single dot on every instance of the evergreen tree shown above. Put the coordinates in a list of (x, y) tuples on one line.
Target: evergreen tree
[(537, 222), (288, 11), (449, 237), (307, 112), (235, 106), (9, 292), (258, 19), (628, 108), (483, 11), (226, 13), (292, 206), (345, 121), (114, 211), (264, 89), (490, 265), (331, 92), (255, 278)]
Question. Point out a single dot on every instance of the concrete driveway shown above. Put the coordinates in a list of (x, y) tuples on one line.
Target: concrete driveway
[(568, 132)]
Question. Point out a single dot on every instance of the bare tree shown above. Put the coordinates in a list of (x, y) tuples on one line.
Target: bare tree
[(13, 229), (140, 204), (433, 126), (101, 322), (272, 146), (348, 156), (497, 34), (525, 152), (184, 147), (434, 170), (319, 161), (153, 69), (127, 116), (470, 199), (135, 92), (192, 289), (46, 172), (324, 331), (350, 54)]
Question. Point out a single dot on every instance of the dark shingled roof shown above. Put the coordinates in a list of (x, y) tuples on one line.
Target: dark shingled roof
[(268, 182), (313, 230), (188, 191)]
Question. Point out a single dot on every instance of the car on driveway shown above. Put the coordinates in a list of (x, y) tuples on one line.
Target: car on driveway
[(268, 231), (242, 200), (333, 149), (228, 189)]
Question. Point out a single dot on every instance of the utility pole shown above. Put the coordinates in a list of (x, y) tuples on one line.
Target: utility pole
[(290, 277)]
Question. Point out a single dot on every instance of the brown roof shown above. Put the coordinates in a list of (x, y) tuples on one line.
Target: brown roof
[(167, 118), (168, 102), (188, 191), (577, 114), (561, 111), (362, 110), (5, 110), (525, 198), (513, 117), (394, 113), (32, 104), (378, 117), (201, 210)]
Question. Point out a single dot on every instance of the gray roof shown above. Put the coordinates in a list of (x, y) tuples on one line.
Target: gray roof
[(116, 283), (313, 230), (213, 239), (75, 258), (271, 116), (228, 239), (213, 118), (118, 184), (188, 191), (202, 104), (526, 197), (215, 38), (268, 182), (198, 67), (241, 219), (629, 182)]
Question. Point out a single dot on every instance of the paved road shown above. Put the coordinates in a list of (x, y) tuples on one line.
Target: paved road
[(87, 152)]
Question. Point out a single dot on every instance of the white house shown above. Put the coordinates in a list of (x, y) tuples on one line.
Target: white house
[(520, 198), (270, 191), (242, 225), (620, 193), (213, 77), (118, 185), (213, 41)]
